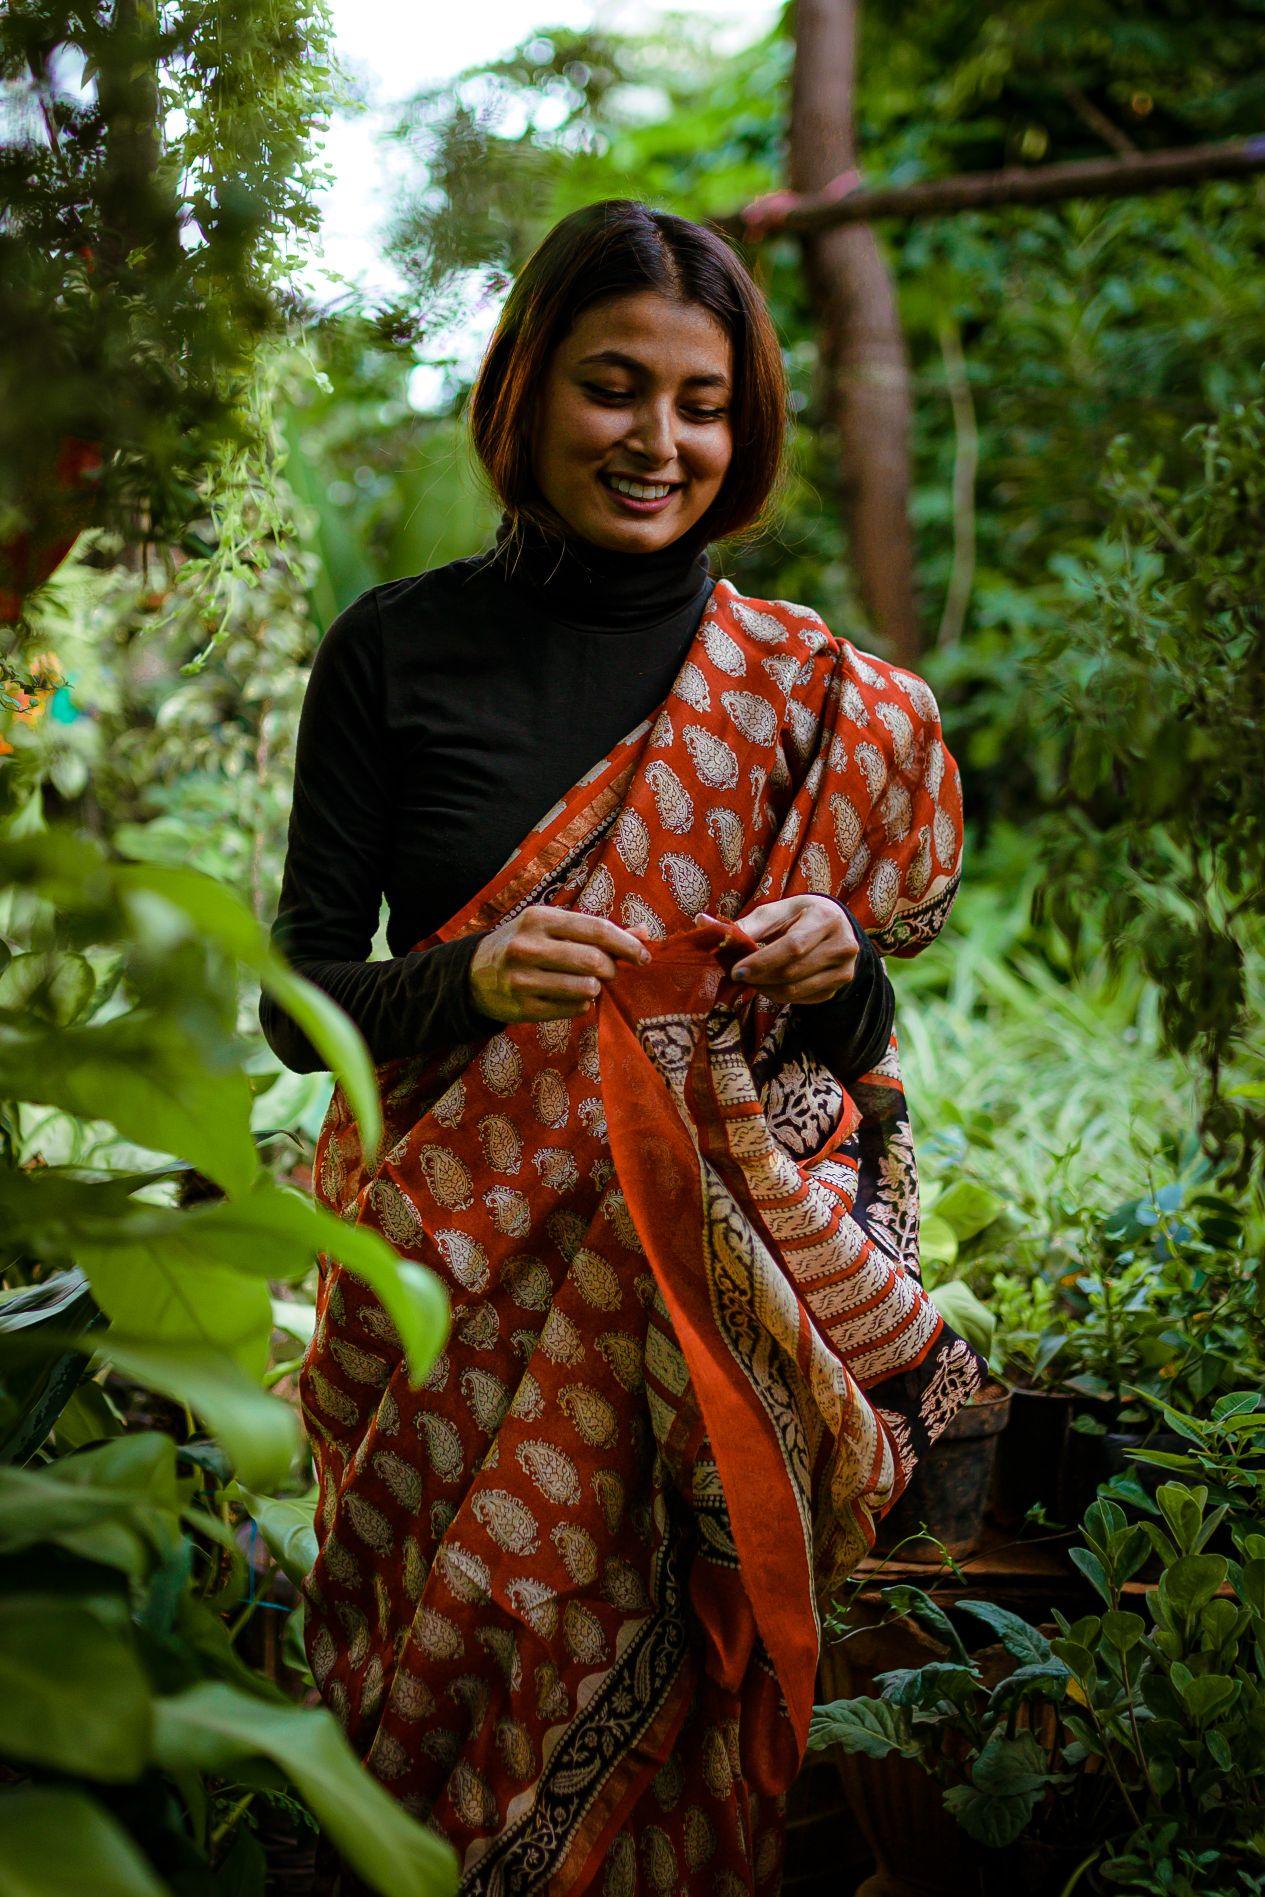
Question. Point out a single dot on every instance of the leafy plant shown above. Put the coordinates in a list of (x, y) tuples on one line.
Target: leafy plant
[(1158, 675), (150, 1251), (1137, 1734)]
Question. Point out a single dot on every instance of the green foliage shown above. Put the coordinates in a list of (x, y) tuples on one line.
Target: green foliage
[(1160, 678), (118, 1003), (155, 176), (126, 1706), (1165, 1708)]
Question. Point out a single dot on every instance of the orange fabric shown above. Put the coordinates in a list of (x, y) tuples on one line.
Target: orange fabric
[(566, 1601)]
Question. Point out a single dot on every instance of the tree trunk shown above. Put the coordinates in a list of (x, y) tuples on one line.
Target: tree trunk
[(865, 369)]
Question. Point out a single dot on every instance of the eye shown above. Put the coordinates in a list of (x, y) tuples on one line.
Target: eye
[(607, 395), (709, 414)]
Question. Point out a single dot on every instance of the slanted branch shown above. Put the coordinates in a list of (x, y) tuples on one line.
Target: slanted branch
[(847, 201)]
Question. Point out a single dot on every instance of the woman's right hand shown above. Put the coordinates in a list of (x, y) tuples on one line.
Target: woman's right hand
[(548, 964)]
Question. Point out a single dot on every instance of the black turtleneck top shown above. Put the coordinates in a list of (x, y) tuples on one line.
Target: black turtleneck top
[(443, 716)]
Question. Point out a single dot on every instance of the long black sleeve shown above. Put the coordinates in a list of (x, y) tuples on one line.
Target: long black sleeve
[(851, 1031), (335, 869)]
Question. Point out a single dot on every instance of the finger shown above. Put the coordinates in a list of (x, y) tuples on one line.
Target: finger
[(558, 954), (789, 950), (551, 985), (768, 919), (597, 930), (554, 1010)]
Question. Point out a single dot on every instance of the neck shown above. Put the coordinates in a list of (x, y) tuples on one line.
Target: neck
[(595, 588)]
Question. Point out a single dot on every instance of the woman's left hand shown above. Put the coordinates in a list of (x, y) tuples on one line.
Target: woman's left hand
[(808, 949)]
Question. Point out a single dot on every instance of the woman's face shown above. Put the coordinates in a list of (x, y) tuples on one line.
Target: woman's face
[(637, 395)]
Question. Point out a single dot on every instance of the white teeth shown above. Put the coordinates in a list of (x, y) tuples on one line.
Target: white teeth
[(639, 490)]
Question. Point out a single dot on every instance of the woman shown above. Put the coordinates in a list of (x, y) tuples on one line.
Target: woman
[(643, 1111)]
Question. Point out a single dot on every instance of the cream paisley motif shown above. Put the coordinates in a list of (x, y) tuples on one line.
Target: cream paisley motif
[(672, 801), (900, 725), (816, 869), (557, 1167), (447, 1177), (582, 1634), (754, 716), (598, 894), (508, 1520), (597, 1280), (765, 627), (501, 1065), (591, 1416), (509, 1211), (725, 827), (624, 1357), (396, 1213), (535, 1603), (692, 687), (528, 1282), (465, 1258), (632, 840), (502, 1146), (443, 1445), (688, 881), (400, 1477), (873, 768), (549, 1098), (487, 1398), (578, 1551), (639, 915), (551, 1470)]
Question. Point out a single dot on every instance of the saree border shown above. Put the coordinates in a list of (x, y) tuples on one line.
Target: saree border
[(631, 1701)]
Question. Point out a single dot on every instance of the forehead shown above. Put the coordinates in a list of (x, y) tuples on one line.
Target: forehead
[(655, 330)]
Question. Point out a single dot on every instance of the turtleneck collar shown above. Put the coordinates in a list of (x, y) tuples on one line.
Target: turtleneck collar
[(597, 589)]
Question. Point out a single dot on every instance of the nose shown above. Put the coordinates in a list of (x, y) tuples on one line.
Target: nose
[(651, 433)]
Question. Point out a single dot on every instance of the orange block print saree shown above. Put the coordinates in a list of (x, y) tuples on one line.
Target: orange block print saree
[(567, 1602)]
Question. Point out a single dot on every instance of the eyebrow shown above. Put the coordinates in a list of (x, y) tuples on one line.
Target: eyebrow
[(620, 361)]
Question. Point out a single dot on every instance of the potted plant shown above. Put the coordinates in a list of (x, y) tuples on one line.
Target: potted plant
[(943, 1505), (1170, 1312), (1127, 1743), (1028, 1341)]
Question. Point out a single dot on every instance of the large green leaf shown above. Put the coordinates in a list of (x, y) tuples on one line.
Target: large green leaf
[(185, 1275), (259, 1432), (1008, 1781), (54, 1841), (213, 1728), (147, 1077), (873, 1727), (74, 1695), (967, 1207), (73, 873), (1016, 1634), (117, 1504), (222, 917)]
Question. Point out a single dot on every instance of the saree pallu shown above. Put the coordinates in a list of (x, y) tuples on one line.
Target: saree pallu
[(568, 1598)]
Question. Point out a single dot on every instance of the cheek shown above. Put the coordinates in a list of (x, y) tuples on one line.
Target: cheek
[(712, 456), (583, 432)]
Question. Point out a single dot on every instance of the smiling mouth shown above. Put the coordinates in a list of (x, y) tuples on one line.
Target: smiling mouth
[(638, 490)]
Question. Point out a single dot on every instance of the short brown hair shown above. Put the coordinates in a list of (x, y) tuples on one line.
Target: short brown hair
[(619, 247)]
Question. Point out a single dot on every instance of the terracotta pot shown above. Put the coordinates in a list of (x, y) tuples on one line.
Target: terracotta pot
[(919, 1848), (949, 1489), (1030, 1453)]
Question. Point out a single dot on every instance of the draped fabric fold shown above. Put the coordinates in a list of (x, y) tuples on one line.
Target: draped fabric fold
[(568, 1595)]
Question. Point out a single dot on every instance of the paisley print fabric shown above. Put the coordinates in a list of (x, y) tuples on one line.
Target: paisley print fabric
[(568, 1595)]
